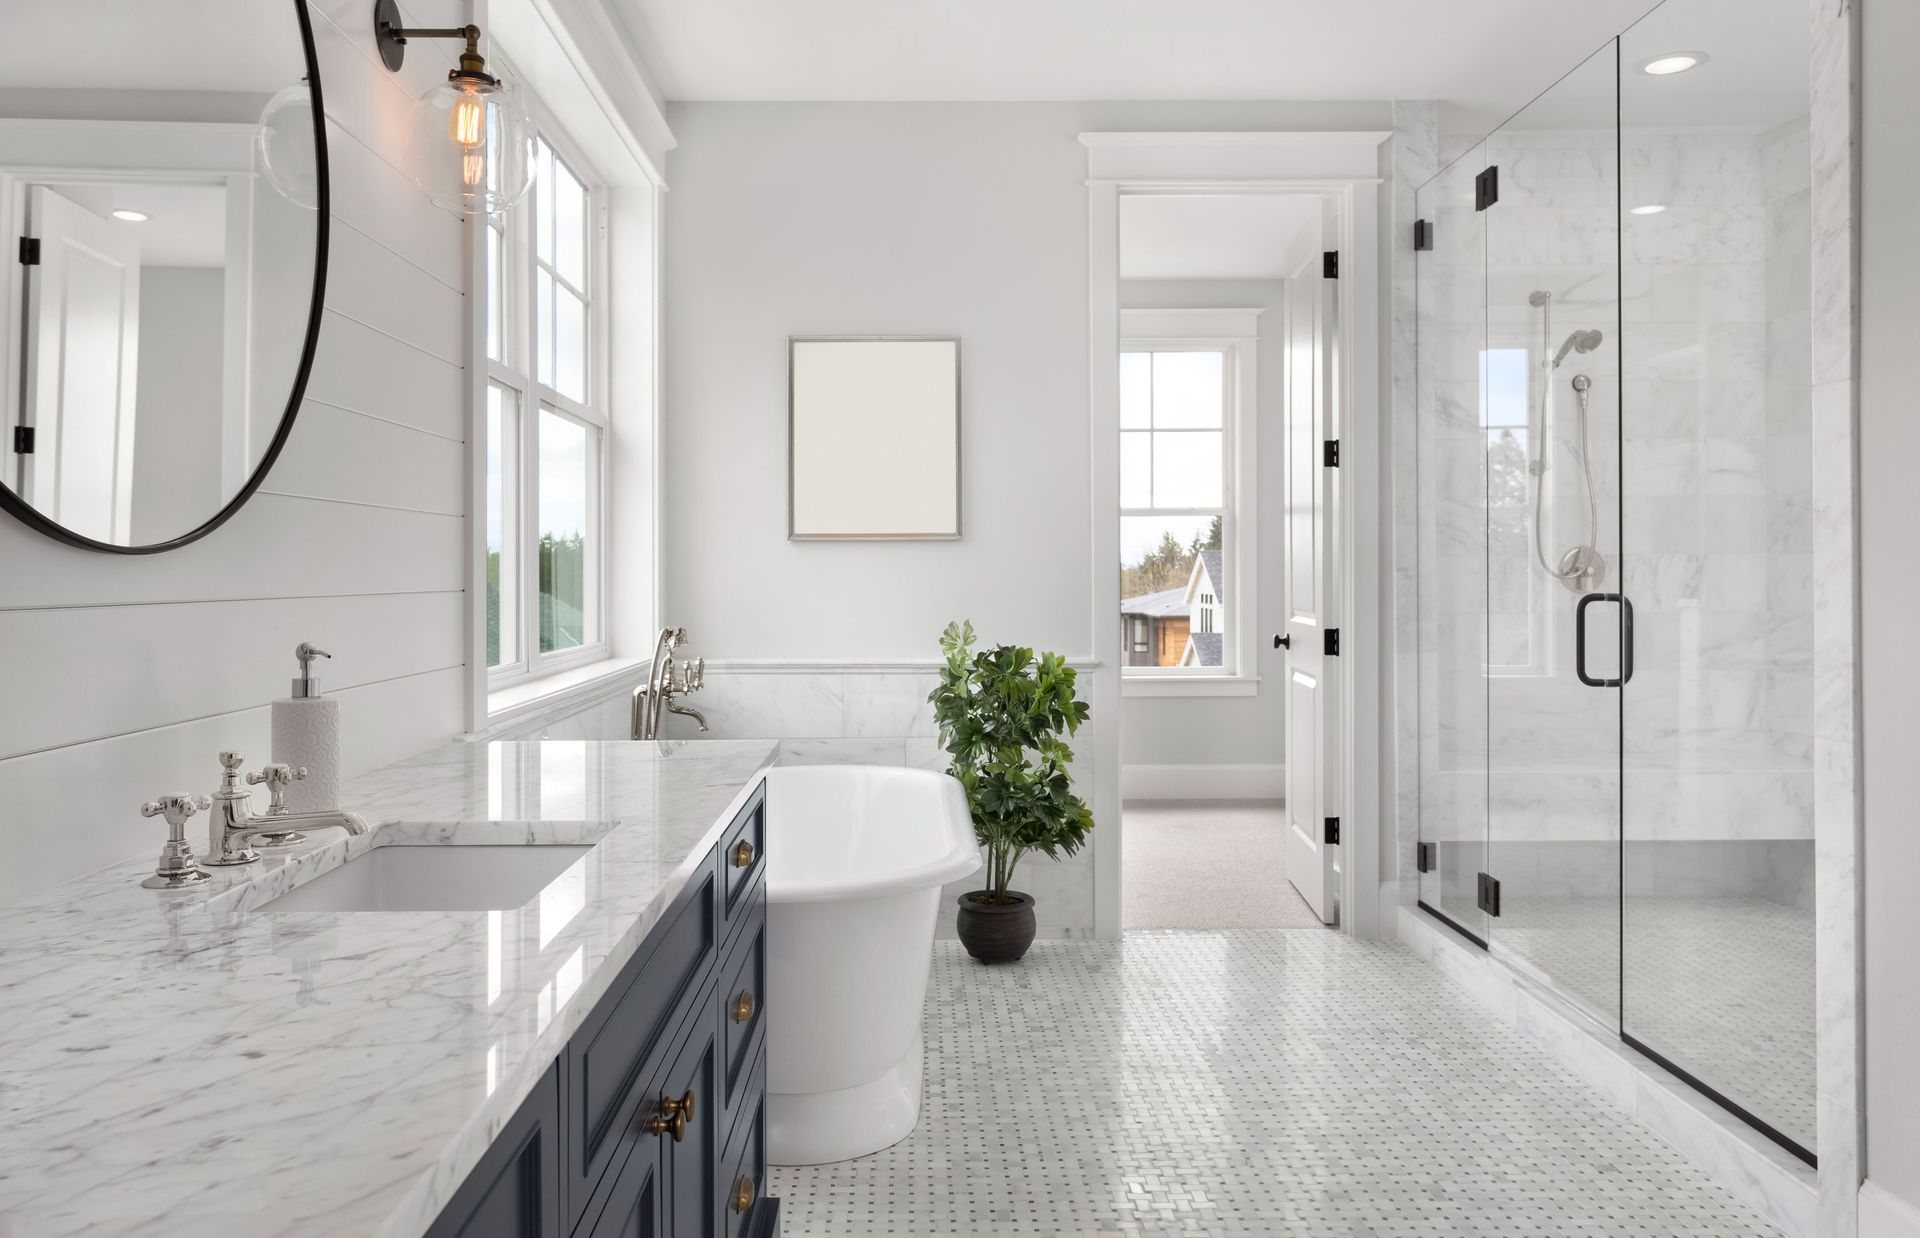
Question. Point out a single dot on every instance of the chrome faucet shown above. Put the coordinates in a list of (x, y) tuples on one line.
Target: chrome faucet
[(665, 681), (233, 825)]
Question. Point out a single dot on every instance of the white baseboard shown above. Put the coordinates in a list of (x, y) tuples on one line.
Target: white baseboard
[(1203, 782), (1885, 1215)]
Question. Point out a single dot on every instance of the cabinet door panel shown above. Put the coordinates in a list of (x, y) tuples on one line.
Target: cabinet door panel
[(613, 1058), (633, 1206), (514, 1192), (692, 1165)]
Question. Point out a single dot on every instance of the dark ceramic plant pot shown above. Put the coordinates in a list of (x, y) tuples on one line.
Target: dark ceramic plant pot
[(996, 932)]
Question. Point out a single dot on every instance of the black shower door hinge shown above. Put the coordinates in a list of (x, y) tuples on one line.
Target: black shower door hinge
[(1330, 264), (1332, 646), (1486, 188), (1332, 834), (1423, 857), (1422, 234), (29, 251), (1489, 895), (23, 440), (1330, 453)]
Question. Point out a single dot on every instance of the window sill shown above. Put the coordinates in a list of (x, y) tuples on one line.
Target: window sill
[(1195, 685), (561, 692)]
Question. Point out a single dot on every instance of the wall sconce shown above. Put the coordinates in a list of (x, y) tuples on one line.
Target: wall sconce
[(470, 138)]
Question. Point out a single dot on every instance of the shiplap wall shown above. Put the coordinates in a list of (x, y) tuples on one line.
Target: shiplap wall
[(123, 676)]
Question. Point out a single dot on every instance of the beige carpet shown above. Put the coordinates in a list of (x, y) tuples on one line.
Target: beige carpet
[(1211, 864)]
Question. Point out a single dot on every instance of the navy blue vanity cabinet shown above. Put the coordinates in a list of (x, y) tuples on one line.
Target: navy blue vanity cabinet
[(613, 1064), (514, 1192), (651, 1121)]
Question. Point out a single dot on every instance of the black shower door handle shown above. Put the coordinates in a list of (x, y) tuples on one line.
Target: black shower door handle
[(1580, 639)]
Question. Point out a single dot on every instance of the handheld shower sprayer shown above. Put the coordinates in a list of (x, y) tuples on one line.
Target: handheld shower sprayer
[(1581, 568)]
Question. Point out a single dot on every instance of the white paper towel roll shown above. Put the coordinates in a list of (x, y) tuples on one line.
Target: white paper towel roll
[(306, 732)]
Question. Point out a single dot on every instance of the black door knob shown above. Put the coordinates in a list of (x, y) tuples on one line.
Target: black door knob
[(1283, 642)]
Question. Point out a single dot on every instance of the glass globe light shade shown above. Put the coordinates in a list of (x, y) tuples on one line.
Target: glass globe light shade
[(471, 145), (283, 149)]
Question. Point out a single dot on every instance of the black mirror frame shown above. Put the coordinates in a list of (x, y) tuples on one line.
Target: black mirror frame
[(32, 517)]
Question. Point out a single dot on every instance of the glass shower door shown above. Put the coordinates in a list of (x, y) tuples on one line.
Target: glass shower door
[(1550, 427), (1451, 296), (1718, 854)]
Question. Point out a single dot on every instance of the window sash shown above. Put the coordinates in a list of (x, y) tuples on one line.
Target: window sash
[(1231, 395), (516, 370)]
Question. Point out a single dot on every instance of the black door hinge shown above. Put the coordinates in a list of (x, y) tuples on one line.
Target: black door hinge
[(1332, 647), (1489, 896), (1332, 834), (23, 440), (29, 251), (1423, 857), (1486, 188), (1422, 234), (1330, 264), (1330, 453)]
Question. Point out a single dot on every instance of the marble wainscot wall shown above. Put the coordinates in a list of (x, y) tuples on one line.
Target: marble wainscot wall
[(856, 715)]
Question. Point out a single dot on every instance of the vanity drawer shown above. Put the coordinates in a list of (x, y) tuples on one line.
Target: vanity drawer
[(613, 1059), (743, 987), (743, 857), (743, 1175)]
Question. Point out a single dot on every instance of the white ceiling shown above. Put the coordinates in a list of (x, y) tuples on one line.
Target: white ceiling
[(189, 45), (1484, 54), (186, 225), (1247, 236)]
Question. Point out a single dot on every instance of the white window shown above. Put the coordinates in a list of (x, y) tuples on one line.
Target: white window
[(547, 420), (1520, 604), (1186, 536)]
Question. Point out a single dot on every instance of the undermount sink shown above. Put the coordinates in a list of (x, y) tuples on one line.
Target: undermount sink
[(434, 878)]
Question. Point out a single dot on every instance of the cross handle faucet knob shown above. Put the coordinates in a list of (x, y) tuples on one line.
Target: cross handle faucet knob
[(277, 776), (177, 809)]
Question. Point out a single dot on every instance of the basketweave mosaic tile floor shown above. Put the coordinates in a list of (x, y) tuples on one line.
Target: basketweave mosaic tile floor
[(1246, 1083), (1722, 987)]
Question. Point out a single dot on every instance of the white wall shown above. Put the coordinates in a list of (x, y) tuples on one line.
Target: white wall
[(1237, 730), (176, 430), (962, 219), (1890, 595), (123, 676)]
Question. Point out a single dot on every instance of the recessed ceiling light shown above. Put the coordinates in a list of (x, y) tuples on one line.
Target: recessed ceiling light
[(132, 217), (1673, 62), (1651, 208)]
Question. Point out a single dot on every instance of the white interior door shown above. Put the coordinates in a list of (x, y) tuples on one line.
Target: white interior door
[(1313, 696), (83, 329)]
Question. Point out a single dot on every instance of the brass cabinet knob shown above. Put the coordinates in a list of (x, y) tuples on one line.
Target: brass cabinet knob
[(743, 1193), (743, 854), (672, 1117), (743, 1007)]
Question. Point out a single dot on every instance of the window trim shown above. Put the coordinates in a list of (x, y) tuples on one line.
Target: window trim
[(518, 327), (1235, 333)]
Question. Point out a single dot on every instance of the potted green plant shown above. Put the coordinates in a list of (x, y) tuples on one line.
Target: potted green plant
[(1002, 713)]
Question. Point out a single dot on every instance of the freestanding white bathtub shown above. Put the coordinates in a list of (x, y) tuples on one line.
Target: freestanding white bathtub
[(856, 856)]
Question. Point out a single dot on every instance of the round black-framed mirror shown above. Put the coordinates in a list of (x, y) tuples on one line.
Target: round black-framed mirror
[(160, 321)]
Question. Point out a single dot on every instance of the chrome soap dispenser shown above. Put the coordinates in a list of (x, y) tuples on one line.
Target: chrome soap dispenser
[(306, 735)]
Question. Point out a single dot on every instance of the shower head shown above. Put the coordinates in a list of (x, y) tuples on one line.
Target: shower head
[(1579, 341), (1538, 298)]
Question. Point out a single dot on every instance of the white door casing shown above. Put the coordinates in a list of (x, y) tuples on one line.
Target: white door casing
[(82, 347), (1342, 170)]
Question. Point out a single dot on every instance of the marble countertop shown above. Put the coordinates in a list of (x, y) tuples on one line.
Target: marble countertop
[(188, 1063)]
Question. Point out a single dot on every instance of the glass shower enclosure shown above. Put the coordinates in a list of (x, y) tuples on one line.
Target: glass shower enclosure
[(1615, 584)]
